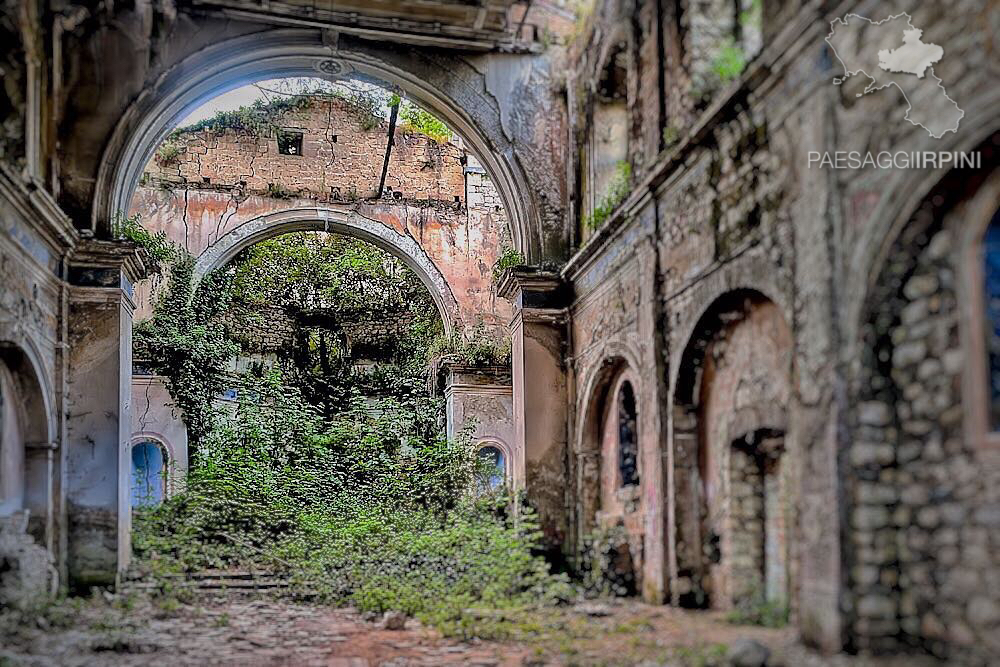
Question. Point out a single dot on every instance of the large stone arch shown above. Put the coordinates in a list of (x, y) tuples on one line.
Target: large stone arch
[(901, 197), (342, 221), (708, 369), (457, 93)]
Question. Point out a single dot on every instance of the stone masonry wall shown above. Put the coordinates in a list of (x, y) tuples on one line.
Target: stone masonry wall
[(922, 486), (341, 160), (435, 193), (724, 193)]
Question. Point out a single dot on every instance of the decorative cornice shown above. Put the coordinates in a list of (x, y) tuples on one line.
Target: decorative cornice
[(39, 209), (93, 255), (482, 376), (518, 280)]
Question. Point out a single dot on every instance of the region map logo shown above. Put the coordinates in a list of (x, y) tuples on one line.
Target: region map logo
[(892, 53), (887, 53)]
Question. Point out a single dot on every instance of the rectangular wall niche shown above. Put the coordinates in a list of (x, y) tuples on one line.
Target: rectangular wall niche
[(289, 143)]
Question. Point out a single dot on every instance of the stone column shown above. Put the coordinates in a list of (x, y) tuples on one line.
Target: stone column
[(538, 368), (98, 422)]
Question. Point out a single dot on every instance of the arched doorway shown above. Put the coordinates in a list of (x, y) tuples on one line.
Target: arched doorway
[(609, 527), (733, 470), (26, 444)]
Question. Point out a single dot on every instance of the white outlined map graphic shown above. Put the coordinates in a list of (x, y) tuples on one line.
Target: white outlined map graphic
[(892, 52)]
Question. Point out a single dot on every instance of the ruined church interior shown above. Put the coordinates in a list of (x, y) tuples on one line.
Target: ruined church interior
[(500, 332)]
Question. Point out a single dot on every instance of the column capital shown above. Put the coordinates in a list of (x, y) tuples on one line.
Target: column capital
[(101, 263), (534, 288)]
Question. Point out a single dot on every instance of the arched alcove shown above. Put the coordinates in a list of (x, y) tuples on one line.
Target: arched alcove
[(496, 454), (609, 528), (733, 486), (303, 53), (341, 221), (26, 447), (149, 463)]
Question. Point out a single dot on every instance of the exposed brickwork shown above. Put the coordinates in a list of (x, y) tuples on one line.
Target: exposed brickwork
[(214, 182), (343, 148)]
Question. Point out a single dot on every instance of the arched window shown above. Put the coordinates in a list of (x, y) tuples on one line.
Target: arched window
[(628, 442), (149, 474), (493, 457), (991, 316)]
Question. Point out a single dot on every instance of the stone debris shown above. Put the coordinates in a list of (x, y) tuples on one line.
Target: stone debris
[(394, 620), (747, 653)]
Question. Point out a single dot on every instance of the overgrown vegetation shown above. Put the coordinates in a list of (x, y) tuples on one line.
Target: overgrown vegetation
[(756, 609), (728, 63), (616, 192), (508, 259), (419, 120), (337, 475), (260, 119), (168, 153), (476, 347)]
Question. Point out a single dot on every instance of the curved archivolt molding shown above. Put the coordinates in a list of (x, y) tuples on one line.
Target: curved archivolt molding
[(505, 450), (340, 221), (300, 53), (24, 360)]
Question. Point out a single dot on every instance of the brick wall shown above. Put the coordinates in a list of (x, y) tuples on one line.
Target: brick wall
[(342, 154), (436, 193)]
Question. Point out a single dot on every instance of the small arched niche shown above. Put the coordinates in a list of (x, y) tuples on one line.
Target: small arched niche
[(495, 458), (149, 463), (26, 443)]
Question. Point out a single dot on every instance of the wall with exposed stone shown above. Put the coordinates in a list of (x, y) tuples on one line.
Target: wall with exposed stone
[(436, 194), (725, 203)]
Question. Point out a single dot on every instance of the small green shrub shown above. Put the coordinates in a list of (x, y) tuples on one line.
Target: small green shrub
[(670, 136), (476, 347), (756, 609), (169, 152), (508, 259), (728, 63), (618, 189), (424, 122)]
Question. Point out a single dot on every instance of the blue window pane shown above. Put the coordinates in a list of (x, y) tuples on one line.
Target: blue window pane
[(148, 474), (991, 274), (493, 456)]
